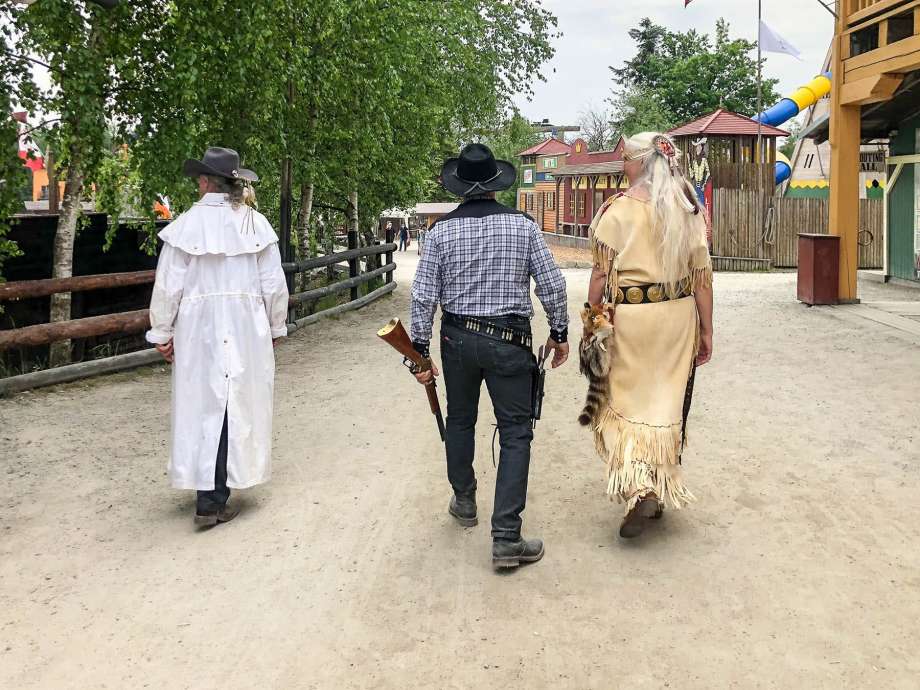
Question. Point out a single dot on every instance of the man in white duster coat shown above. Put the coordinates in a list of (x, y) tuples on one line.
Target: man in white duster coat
[(219, 303)]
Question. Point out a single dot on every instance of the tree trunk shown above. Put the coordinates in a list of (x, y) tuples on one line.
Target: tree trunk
[(62, 261), (304, 234)]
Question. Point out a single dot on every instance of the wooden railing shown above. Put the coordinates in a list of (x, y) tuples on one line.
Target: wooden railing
[(855, 11), (133, 322)]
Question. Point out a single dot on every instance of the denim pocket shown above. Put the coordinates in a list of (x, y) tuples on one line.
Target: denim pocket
[(451, 342), (510, 360)]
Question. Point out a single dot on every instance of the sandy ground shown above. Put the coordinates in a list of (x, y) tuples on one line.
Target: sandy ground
[(798, 567)]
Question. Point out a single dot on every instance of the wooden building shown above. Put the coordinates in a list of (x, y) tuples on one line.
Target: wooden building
[(584, 183), (729, 150), (876, 95), (537, 190)]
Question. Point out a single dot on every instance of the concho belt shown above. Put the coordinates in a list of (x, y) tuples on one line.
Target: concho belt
[(647, 294), (490, 330)]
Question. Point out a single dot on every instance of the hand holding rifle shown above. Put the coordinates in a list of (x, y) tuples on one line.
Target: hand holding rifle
[(422, 367)]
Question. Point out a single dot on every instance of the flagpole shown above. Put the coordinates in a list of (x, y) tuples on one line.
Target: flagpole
[(759, 81)]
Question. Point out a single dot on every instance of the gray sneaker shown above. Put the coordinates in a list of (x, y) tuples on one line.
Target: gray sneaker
[(510, 554)]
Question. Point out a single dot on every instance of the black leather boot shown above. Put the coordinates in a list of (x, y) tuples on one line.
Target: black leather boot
[(463, 508), (510, 554)]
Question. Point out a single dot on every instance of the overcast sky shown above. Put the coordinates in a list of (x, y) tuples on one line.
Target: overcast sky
[(595, 35)]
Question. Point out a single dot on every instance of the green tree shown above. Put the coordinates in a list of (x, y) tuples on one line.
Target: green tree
[(640, 110), (688, 74), (83, 47)]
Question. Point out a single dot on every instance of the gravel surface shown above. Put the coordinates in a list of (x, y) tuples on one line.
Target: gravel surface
[(798, 567)]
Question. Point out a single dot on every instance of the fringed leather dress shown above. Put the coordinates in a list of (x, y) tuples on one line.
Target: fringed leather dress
[(640, 435)]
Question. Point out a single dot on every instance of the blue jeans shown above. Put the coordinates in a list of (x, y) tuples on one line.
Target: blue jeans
[(469, 359), (212, 501)]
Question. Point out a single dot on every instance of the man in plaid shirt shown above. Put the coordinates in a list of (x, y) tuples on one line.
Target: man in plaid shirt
[(477, 265)]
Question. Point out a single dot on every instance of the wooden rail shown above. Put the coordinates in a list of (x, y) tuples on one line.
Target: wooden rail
[(128, 323), (27, 289)]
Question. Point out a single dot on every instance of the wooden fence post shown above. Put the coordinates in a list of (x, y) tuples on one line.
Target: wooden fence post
[(354, 265), (388, 237)]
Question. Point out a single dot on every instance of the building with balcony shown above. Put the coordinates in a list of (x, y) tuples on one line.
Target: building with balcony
[(876, 96), (537, 190)]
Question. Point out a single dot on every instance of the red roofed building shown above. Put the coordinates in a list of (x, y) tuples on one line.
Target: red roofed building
[(537, 191), (586, 180)]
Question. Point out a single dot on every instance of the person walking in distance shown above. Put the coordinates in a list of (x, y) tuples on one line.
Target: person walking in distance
[(403, 237), (477, 264), (219, 304)]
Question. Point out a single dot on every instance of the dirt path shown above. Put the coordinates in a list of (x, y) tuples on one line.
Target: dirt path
[(797, 568)]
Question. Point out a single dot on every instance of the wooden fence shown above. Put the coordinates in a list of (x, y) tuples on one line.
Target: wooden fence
[(138, 321), (751, 231)]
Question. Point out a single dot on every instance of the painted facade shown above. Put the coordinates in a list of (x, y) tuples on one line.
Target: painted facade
[(584, 183), (537, 194), (904, 204)]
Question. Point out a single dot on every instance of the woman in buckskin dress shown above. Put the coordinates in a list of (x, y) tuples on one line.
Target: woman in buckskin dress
[(651, 258)]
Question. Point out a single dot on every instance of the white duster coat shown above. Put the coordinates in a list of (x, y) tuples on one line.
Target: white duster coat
[(221, 296)]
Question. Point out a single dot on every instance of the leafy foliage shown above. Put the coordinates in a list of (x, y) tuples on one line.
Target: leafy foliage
[(368, 99), (679, 76)]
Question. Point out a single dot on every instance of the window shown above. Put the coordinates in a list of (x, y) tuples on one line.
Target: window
[(581, 203), (900, 27), (530, 202), (549, 163), (572, 204), (550, 201), (864, 40)]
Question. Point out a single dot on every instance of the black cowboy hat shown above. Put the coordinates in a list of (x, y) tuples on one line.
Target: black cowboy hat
[(476, 171), (220, 162)]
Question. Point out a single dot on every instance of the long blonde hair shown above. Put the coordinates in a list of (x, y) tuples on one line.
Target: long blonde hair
[(674, 204)]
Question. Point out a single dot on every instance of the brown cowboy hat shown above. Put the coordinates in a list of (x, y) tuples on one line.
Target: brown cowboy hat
[(219, 162)]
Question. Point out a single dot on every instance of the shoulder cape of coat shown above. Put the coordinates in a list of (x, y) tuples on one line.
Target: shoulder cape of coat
[(213, 226)]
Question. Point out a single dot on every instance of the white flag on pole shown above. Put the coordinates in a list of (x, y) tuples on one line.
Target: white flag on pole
[(772, 42)]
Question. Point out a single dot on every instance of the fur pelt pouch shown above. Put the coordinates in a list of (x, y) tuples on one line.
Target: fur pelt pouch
[(594, 355)]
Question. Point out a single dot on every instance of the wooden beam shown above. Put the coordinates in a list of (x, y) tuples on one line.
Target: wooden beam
[(75, 372), (338, 257), (903, 56), (348, 306), (875, 89), (318, 293), (844, 191), (27, 289), (856, 16), (124, 323)]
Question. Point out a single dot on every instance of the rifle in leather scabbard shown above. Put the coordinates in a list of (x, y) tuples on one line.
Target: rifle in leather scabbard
[(394, 334)]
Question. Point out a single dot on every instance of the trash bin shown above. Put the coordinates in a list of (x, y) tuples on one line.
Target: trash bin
[(819, 268)]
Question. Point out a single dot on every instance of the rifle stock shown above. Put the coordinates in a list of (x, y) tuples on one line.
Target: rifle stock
[(395, 335)]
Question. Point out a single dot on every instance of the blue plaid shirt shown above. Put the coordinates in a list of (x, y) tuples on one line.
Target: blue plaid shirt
[(478, 261)]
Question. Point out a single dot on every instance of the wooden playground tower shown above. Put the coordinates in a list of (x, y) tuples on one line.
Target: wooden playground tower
[(876, 48)]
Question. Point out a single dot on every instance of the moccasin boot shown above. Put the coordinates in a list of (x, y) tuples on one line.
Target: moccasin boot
[(634, 523), (510, 554), (463, 508)]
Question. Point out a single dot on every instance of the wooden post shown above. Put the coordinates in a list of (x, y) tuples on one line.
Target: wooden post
[(845, 131), (54, 196), (354, 265), (558, 206), (388, 238)]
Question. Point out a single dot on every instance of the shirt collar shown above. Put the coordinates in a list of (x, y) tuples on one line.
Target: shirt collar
[(213, 198)]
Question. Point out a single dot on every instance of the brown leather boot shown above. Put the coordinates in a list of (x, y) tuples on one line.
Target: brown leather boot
[(223, 514), (634, 522)]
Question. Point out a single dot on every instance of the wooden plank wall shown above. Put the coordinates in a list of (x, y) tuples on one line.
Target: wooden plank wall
[(744, 227)]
